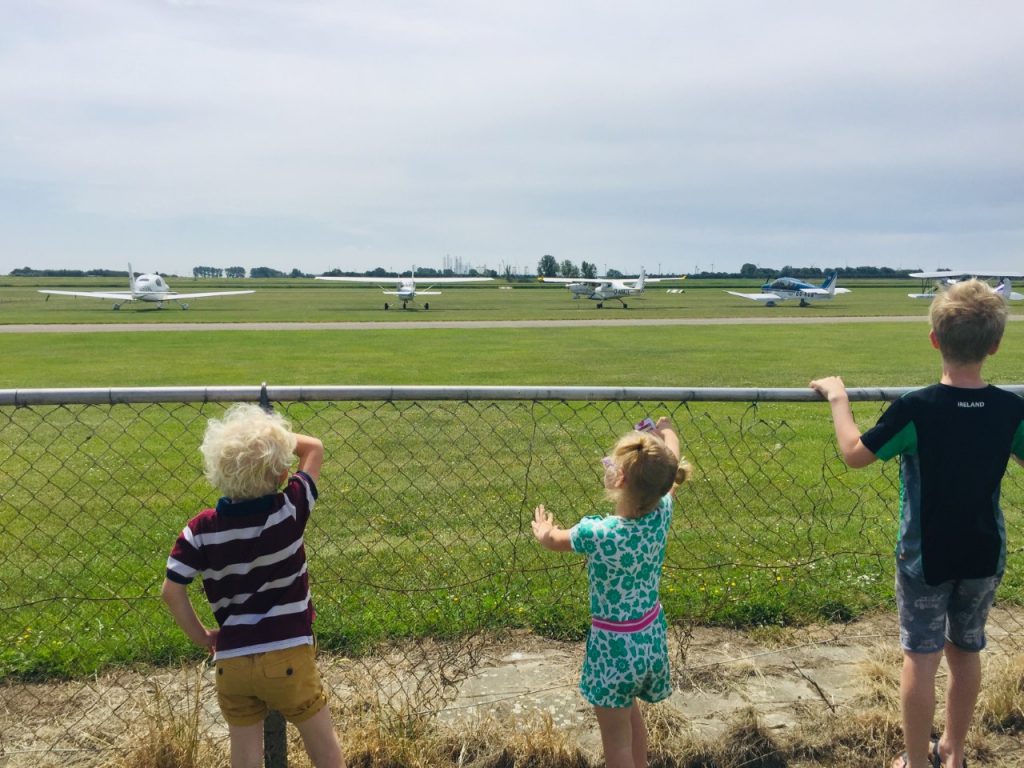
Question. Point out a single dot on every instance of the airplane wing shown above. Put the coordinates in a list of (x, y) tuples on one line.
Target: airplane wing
[(436, 280), (94, 295), (921, 295), (431, 280), (966, 273), (561, 280), (177, 296), (373, 280), (757, 296)]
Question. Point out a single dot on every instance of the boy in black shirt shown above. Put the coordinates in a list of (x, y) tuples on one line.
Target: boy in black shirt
[(954, 439)]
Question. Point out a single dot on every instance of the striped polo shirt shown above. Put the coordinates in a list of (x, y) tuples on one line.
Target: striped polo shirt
[(251, 557)]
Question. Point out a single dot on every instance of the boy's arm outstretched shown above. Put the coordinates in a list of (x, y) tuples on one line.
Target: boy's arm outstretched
[(548, 534), (853, 451), (310, 452)]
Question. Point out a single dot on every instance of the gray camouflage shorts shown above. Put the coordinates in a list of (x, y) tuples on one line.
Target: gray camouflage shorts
[(954, 610)]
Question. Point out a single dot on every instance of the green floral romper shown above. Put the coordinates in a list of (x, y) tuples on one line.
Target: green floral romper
[(627, 652)]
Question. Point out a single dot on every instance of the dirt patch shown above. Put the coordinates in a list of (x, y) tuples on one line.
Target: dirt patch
[(798, 683)]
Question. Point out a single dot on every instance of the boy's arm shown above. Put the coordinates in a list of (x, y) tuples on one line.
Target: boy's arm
[(853, 451), (548, 534), (176, 597), (311, 455)]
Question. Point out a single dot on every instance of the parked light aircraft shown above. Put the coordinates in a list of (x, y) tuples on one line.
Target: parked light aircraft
[(601, 289), (407, 291), (783, 288), (945, 277), (148, 287)]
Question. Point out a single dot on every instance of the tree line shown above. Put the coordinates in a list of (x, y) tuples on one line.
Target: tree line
[(548, 266)]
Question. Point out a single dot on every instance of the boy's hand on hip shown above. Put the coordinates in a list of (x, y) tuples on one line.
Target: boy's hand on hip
[(208, 640)]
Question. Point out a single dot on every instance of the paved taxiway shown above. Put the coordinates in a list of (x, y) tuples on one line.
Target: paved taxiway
[(445, 324)]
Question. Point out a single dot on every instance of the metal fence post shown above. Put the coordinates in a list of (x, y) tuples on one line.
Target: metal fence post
[(275, 742)]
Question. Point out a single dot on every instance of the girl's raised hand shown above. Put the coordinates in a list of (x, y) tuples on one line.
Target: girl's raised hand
[(543, 522), (548, 534)]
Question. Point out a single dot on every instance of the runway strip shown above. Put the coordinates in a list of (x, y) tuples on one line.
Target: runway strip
[(449, 324)]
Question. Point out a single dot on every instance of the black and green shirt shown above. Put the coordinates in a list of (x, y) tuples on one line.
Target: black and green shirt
[(953, 445)]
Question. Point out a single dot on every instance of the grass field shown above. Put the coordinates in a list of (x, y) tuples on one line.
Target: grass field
[(423, 526), (318, 301)]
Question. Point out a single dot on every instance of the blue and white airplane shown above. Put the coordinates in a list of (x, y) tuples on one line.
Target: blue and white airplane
[(148, 287), (945, 277), (783, 288)]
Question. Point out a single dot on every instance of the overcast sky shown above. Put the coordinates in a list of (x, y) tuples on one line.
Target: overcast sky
[(680, 136)]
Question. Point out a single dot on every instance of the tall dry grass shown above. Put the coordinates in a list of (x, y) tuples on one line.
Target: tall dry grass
[(864, 732), (173, 733)]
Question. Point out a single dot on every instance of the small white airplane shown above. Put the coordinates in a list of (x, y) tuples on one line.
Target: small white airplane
[(148, 287), (407, 291), (946, 277), (783, 288), (602, 289)]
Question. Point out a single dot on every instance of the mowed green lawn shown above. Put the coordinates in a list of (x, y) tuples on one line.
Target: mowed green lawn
[(423, 524)]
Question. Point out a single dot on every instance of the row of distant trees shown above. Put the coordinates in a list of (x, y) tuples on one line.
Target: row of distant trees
[(548, 266), (236, 272)]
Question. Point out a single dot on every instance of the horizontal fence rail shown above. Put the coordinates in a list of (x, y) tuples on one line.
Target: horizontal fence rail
[(420, 549)]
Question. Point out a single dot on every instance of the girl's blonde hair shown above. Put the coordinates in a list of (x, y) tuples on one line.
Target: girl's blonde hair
[(246, 452), (649, 469)]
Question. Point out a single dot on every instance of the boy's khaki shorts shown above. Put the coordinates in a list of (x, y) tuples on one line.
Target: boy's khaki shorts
[(248, 687)]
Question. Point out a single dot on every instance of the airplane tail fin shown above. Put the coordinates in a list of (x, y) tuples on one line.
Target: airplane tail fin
[(830, 283), (639, 284), (131, 279), (1005, 289)]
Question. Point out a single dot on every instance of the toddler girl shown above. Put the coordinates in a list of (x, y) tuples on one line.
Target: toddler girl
[(627, 653)]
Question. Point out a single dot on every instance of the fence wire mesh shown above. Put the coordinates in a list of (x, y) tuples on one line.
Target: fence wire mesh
[(420, 548)]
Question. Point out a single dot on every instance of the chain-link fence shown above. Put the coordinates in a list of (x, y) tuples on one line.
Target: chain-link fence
[(420, 551)]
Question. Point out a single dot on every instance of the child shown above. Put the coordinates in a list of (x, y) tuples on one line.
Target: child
[(953, 439), (249, 551), (627, 653)]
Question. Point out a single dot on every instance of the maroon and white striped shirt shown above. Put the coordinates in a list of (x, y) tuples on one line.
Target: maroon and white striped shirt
[(253, 563)]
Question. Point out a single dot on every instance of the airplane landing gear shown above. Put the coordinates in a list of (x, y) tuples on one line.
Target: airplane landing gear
[(426, 305), (403, 305), (600, 304), (116, 306), (386, 306), (804, 303), (625, 305), (184, 306)]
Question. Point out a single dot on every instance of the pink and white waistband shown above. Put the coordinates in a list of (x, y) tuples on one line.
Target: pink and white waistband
[(633, 625)]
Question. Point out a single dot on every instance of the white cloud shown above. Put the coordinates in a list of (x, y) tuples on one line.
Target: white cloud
[(319, 132)]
